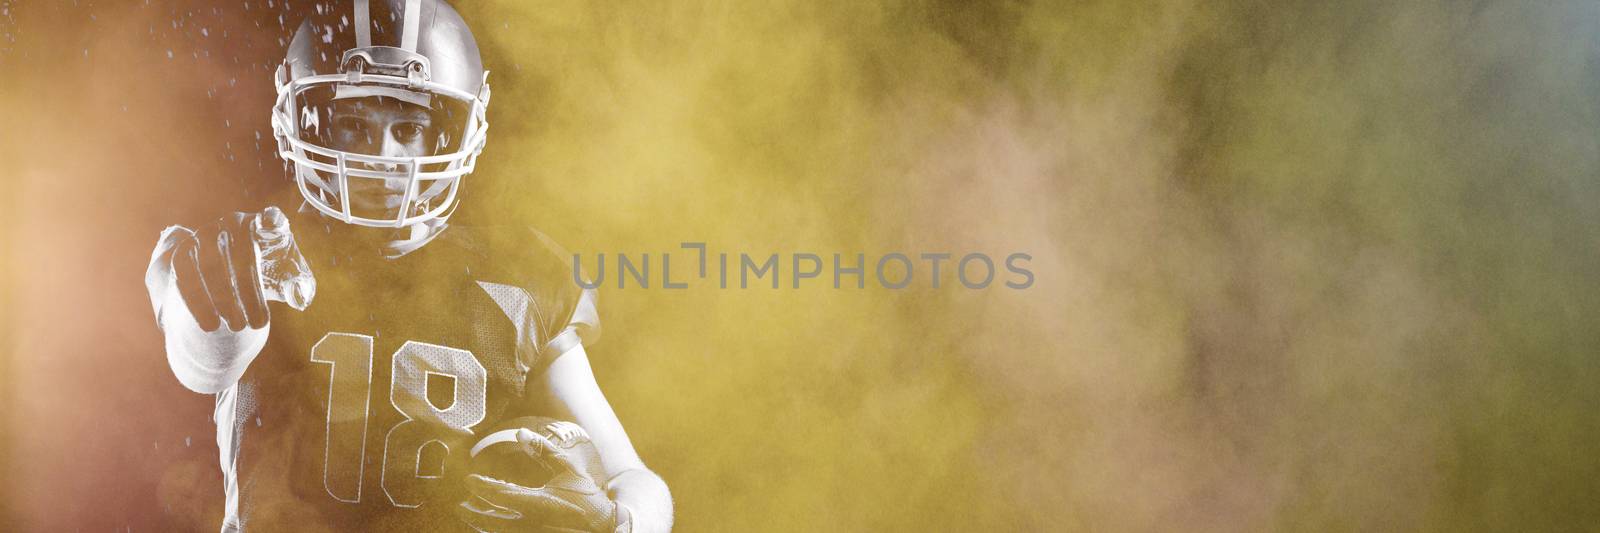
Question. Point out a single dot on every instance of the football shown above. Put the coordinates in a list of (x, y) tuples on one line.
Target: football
[(498, 454)]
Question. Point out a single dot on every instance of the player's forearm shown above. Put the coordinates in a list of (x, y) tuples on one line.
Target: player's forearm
[(646, 497)]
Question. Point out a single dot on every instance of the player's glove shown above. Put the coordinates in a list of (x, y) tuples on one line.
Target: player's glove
[(210, 295), (572, 500)]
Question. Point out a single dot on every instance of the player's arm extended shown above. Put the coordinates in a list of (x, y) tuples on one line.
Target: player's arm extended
[(572, 394)]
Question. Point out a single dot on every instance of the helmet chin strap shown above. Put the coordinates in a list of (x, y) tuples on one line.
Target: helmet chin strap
[(408, 239)]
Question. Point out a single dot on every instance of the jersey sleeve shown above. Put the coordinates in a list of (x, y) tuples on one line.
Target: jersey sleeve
[(568, 314), (534, 282)]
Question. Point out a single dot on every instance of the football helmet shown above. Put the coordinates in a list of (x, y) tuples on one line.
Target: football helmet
[(414, 51)]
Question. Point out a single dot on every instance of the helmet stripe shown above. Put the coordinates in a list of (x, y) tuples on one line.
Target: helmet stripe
[(413, 19), (363, 25)]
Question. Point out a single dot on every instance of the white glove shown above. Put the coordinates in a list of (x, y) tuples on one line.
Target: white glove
[(210, 296)]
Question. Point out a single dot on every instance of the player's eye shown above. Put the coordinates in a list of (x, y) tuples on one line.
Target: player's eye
[(408, 132)]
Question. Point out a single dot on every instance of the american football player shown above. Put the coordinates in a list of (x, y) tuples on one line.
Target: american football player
[(355, 412)]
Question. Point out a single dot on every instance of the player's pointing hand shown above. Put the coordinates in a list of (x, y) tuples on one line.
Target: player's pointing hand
[(209, 289)]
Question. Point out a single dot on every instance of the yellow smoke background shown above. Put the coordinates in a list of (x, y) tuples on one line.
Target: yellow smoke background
[(1299, 265)]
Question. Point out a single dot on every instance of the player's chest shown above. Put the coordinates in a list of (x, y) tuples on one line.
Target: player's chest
[(382, 387)]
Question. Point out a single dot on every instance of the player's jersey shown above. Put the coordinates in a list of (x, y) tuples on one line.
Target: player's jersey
[(359, 410)]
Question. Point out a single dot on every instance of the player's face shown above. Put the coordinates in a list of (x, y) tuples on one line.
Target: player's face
[(386, 127)]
